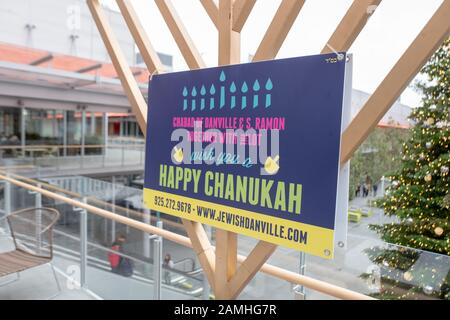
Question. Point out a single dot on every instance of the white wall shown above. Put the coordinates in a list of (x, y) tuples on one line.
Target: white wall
[(55, 21)]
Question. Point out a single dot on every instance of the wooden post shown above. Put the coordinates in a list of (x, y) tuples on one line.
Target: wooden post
[(226, 242)]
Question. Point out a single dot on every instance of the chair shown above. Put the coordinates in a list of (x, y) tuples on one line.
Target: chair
[(32, 232)]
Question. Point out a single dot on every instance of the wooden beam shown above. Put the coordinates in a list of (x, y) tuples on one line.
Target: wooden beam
[(202, 247), (230, 283), (200, 242), (226, 242), (241, 11), (229, 40), (351, 25), (212, 10), (278, 30), (151, 58), (418, 53), (249, 267), (180, 34), (131, 88)]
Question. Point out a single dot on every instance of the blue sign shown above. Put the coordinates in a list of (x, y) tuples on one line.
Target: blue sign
[(251, 148)]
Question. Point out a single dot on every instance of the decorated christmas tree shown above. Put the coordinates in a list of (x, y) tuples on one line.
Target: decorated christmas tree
[(419, 196)]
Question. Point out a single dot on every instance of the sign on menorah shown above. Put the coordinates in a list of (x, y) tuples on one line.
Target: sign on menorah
[(251, 148)]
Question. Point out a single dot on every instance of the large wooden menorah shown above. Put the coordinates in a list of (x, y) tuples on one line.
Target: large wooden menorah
[(220, 264)]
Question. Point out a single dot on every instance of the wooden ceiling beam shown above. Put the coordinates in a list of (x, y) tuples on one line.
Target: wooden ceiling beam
[(180, 34), (149, 54), (278, 30), (418, 53)]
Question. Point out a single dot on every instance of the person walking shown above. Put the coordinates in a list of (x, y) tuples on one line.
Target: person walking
[(375, 189), (368, 184)]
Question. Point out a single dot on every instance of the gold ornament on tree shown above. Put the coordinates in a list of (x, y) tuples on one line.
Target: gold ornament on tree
[(430, 121), (407, 276), (428, 178), (438, 231)]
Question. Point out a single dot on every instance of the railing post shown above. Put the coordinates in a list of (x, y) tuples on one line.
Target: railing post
[(206, 287), (83, 245), (146, 243), (7, 207), (299, 290), (58, 164), (127, 206), (157, 264), (123, 154), (113, 201), (38, 204)]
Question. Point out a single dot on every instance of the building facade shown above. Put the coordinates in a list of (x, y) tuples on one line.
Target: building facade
[(57, 84)]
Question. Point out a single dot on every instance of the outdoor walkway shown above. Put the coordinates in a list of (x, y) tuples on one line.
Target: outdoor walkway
[(37, 283)]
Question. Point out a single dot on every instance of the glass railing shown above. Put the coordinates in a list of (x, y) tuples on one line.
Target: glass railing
[(53, 158), (83, 243), (83, 240)]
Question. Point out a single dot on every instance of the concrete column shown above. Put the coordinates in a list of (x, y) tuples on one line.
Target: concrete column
[(93, 123), (105, 130), (54, 122), (22, 130), (65, 133), (83, 131)]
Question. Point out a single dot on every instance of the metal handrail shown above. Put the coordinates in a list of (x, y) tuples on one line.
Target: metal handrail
[(278, 272), (182, 261)]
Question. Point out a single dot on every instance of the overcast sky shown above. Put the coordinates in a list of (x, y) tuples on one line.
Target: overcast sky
[(390, 30)]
